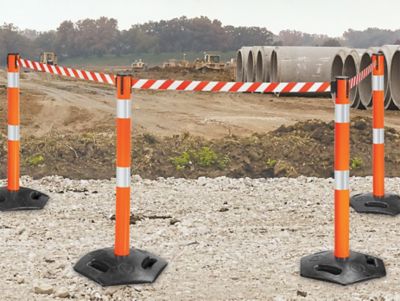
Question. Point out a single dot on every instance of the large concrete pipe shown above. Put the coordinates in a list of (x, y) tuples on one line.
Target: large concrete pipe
[(338, 62), (337, 66), (388, 51), (395, 78), (365, 87), (302, 64), (351, 68), (263, 64), (241, 63), (251, 63)]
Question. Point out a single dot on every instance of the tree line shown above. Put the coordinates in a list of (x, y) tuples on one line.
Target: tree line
[(102, 36)]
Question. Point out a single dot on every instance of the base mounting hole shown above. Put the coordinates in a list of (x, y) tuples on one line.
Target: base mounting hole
[(100, 266), (371, 261), (148, 262), (35, 195), (376, 204), (329, 269)]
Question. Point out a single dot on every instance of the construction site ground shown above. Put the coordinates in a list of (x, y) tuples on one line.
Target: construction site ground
[(224, 239)]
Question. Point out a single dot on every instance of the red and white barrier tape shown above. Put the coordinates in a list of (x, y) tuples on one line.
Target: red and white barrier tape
[(212, 86), (354, 81), (183, 85), (69, 72)]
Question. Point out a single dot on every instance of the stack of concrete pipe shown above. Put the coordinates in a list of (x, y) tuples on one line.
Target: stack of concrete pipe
[(319, 64)]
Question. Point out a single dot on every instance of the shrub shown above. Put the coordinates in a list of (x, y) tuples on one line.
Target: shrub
[(36, 160)]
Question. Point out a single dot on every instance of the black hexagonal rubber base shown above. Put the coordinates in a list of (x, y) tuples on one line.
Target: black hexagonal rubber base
[(326, 267), (23, 199), (367, 203), (103, 267)]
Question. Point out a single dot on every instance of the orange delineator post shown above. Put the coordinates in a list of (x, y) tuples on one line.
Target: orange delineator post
[(14, 197), (342, 266), (123, 190), (13, 122), (122, 264), (378, 201), (342, 161), (378, 98)]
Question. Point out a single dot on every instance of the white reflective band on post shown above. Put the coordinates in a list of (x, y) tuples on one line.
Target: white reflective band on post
[(342, 179), (13, 79), (378, 136), (124, 108), (342, 113), (378, 83), (13, 133), (123, 177)]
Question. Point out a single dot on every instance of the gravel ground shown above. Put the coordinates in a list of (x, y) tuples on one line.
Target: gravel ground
[(226, 239)]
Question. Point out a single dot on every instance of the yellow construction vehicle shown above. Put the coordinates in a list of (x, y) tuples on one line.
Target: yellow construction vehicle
[(174, 63), (139, 65), (209, 62), (49, 58)]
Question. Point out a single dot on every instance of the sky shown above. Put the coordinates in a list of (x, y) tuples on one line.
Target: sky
[(312, 16)]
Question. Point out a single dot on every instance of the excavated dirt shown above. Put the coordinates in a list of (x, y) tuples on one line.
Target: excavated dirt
[(305, 148), (50, 104), (69, 124)]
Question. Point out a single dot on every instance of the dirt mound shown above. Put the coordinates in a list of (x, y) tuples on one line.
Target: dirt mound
[(305, 148), (186, 74)]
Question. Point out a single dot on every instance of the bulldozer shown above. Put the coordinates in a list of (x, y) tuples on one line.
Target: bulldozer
[(209, 62), (174, 63), (139, 65), (49, 58)]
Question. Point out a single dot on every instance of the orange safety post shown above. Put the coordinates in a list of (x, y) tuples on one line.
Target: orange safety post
[(14, 197), (342, 266), (122, 264), (378, 201), (123, 190), (13, 122), (342, 163)]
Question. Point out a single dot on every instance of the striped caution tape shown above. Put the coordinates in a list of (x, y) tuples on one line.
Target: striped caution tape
[(213, 86), (183, 85), (68, 72), (356, 80)]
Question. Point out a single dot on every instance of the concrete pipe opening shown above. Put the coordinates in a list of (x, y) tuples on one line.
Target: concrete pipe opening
[(350, 70), (260, 66), (274, 66), (365, 87), (239, 66), (395, 78), (388, 51), (250, 66), (388, 94), (337, 67)]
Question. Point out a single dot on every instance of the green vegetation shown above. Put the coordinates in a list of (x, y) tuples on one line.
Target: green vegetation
[(271, 163), (356, 163), (36, 160), (182, 161), (203, 157)]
